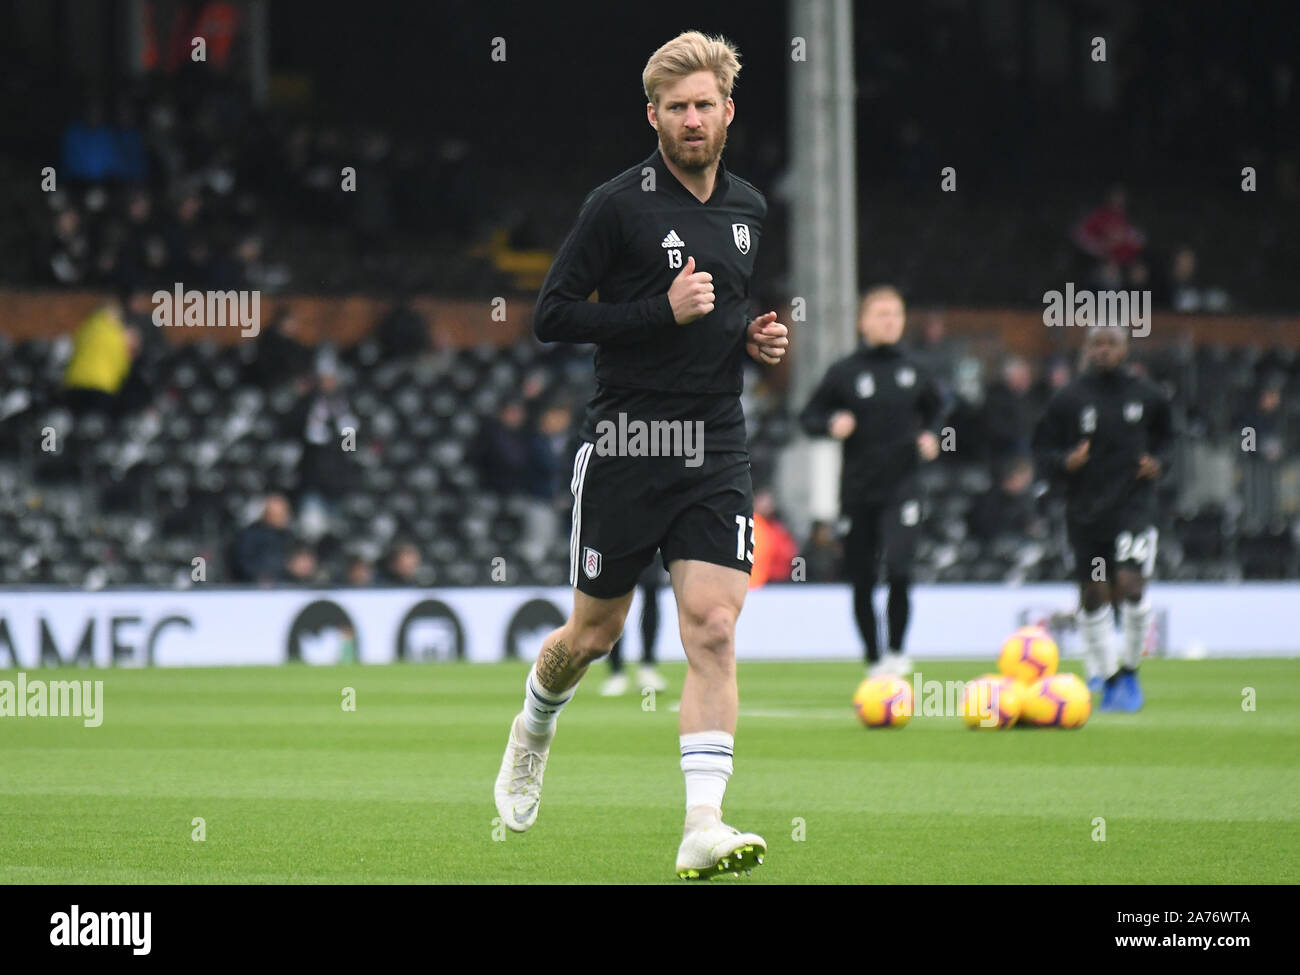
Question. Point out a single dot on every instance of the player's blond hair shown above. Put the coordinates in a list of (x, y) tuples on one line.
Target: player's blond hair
[(687, 53), (879, 291)]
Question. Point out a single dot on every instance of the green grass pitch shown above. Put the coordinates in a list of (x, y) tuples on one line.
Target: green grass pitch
[(292, 788)]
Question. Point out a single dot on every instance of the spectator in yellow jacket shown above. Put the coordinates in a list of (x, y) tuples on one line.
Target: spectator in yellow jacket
[(101, 360)]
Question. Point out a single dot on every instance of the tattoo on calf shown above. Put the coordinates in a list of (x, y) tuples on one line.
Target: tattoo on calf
[(553, 665)]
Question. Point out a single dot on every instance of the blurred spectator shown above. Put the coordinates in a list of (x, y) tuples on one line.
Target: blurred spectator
[(558, 433), (301, 568), (1007, 509), (1140, 278), (183, 231), (68, 251), (324, 418), (402, 332), (933, 351), (1107, 234), (534, 385), (103, 348), (138, 313), (278, 356), (822, 554), (402, 567), (503, 450), (1186, 292), (1106, 276), (774, 546), (249, 267), (360, 572), (1055, 375), (1266, 418), (546, 479), (150, 352), (1008, 412), (259, 553), (139, 213), (1261, 487)]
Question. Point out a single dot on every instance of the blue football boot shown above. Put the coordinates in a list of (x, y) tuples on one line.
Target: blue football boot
[(1113, 696), (1133, 696)]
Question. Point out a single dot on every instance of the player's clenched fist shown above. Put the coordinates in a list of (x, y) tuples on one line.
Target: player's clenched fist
[(766, 339), (842, 425), (691, 293)]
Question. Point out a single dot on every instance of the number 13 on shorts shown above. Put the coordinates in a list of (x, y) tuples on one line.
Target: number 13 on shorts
[(743, 555)]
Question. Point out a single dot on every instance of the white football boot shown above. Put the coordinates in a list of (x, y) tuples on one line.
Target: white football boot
[(614, 686), (879, 669), (717, 850), (651, 678), (899, 664), (518, 791)]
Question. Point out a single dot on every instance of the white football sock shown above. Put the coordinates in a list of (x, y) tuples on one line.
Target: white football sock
[(1136, 619), (1098, 630), (542, 707), (707, 764)]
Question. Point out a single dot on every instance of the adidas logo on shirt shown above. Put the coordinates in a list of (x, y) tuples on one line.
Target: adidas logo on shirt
[(672, 240)]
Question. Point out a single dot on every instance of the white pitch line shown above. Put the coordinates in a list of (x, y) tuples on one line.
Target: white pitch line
[(822, 713)]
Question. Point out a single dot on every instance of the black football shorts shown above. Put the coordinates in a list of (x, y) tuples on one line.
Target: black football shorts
[(626, 508), (1102, 548)]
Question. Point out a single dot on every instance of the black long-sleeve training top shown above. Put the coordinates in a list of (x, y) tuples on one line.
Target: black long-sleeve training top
[(1123, 416), (633, 236), (893, 398)]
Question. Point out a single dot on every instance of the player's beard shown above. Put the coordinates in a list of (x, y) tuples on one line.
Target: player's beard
[(695, 160)]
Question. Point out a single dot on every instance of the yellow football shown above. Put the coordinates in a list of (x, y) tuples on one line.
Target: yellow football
[(1029, 655), (883, 702), (992, 701), (1061, 701)]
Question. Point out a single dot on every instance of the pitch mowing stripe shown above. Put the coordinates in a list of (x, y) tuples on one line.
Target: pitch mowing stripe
[(874, 787), (954, 848)]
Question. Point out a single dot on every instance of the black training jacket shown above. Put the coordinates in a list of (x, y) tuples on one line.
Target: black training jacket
[(632, 238)]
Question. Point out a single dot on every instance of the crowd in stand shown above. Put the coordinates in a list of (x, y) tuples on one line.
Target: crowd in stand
[(522, 447), (192, 184), (195, 186), (1121, 260)]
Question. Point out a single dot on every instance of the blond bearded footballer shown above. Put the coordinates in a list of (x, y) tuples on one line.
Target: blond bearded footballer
[(669, 246)]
